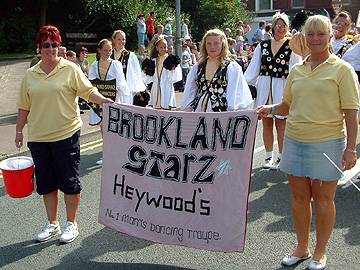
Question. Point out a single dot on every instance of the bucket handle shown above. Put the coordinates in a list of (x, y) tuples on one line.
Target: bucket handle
[(18, 157)]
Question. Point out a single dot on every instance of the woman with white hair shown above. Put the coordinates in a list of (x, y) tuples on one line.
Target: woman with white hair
[(268, 70), (321, 99), (216, 83)]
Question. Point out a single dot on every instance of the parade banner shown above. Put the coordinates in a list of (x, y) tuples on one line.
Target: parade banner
[(179, 178)]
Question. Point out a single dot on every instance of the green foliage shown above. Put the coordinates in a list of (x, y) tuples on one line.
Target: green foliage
[(17, 34), (208, 14), (122, 14)]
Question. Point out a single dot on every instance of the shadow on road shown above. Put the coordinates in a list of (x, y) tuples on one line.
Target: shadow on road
[(2, 191), (8, 119), (121, 266), (15, 252), (277, 200), (103, 242)]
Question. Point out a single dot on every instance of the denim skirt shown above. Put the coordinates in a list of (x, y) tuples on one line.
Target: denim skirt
[(308, 160)]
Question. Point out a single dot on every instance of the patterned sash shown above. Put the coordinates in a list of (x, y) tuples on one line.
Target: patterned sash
[(215, 90)]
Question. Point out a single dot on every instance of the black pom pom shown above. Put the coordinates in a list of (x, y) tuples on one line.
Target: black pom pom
[(171, 62), (148, 66), (141, 98)]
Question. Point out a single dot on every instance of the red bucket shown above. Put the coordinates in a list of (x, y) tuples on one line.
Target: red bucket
[(18, 174)]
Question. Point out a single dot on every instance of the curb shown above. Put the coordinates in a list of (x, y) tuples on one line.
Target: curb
[(84, 137), (16, 58)]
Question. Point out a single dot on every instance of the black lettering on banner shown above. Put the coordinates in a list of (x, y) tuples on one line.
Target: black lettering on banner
[(188, 157), (137, 155), (150, 201), (173, 171), (114, 116), (204, 205), (129, 192), (125, 124), (178, 130), (178, 205), (151, 138), (109, 213), (234, 144), (138, 127), (155, 170), (200, 135), (206, 179), (139, 197), (121, 185), (194, 205), (218, 131), (170, 202), (163, 136), (190, 205)]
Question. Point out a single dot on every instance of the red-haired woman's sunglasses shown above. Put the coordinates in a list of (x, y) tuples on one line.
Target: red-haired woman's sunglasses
[(47, 45)]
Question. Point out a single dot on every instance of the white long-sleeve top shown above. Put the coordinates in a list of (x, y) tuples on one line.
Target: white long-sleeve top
[(263, 83), (134, 75), (352, 56), (115, 72), (238, 95), (122, 91), (166, 83)]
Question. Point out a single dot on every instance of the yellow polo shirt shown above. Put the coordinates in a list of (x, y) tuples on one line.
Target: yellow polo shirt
[(316, 99), (51, 100)]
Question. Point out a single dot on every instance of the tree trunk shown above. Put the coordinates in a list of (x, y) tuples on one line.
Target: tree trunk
[(43, 9)]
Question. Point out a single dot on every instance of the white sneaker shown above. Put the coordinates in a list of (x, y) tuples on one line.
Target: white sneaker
[(99, 162), (71, 231), (269, 162), (276, 165), (49, 231)]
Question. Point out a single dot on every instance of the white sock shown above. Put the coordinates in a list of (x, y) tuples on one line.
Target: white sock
[(268, 154), (280, 155)]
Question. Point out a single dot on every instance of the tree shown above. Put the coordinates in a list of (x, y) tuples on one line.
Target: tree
[(122, 14), (208, 14)]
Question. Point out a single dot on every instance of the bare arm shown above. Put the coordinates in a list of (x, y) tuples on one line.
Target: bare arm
[(351, 122), (20, 123), (98, 98), (278, 109)]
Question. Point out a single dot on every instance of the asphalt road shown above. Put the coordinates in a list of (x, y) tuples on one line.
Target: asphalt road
[(269, 231), (270, 234)]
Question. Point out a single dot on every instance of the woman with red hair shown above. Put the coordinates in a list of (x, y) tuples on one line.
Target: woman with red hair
[(48, 105)]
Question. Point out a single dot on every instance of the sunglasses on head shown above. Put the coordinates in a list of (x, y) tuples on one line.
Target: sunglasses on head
[(47, 45)]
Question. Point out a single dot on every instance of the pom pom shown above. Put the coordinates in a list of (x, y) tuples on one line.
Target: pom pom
[(141, 98), (148, 66), (171, 62)]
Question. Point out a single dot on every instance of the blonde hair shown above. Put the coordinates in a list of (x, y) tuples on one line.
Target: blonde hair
[(225, 47), (321, 23), (318, 22), (117, 32), (280, 16), (153, 51)]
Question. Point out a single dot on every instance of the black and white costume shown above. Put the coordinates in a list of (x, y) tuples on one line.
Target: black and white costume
[(162, 90), (114, 72), (268, 72), (226, 91), (132, 71)]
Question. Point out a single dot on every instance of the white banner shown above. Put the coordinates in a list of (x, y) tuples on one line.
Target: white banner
[(177, 178)]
